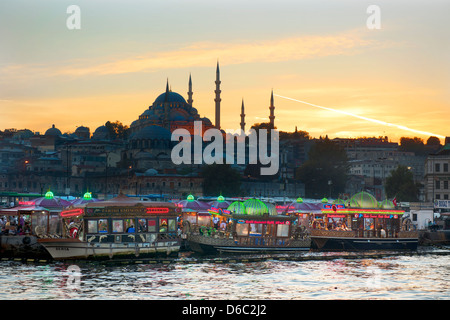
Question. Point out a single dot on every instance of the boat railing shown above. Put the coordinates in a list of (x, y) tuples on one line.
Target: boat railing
[(363, 233), (250, 240), (168, 237)]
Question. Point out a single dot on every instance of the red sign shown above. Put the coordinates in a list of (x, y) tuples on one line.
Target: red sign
[(266, 222), (71, 213), (157, 210)]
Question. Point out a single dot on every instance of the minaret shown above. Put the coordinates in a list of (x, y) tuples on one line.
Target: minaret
[(242, 117), (166, 96), (190, 93), (217, 99), (272, 116)]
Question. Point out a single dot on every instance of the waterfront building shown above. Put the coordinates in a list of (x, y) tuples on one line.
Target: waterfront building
[(437, 174)]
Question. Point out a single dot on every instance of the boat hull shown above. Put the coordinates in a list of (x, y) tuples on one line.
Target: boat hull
[(209, 245), (22, 246), (356, 244), (67, 249)]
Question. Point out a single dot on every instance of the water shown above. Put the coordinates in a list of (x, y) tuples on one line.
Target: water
[(396, 277)]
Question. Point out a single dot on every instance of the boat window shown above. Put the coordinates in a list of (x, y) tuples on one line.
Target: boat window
[(92, 226), (117, 225), (151, 225), (39, 222), (163, 225), (102, 225), (54, 224), (270, 230), (256, 229), (204, 220), (172, 225), (242, 229), (142, 225), (282, 230), (129, 225)]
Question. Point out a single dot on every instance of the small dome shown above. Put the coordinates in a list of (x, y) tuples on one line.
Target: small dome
[(152, 132), (387, 204), (53, 131), (82, 129), (151, 172), (237, 207), (255, 207), (101, 133), (363, 200)]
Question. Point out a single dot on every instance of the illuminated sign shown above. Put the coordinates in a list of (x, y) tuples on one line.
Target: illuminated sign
[(71, 213), (157, 210), (265, 222), (334, 207), (26, 203)]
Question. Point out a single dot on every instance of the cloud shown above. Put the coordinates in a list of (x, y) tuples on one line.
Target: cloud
[(205, 53)]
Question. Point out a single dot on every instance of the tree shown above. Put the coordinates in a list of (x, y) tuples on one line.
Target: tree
[(433, 141), (325, 172), (400, 184), (117, 130), (415, 145), (220, 179)]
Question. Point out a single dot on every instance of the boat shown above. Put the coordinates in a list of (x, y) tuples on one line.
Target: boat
[(361, 224), (251, 226), (22, 227), (119, 228)]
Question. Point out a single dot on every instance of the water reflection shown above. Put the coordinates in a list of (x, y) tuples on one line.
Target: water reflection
[(399, 277)]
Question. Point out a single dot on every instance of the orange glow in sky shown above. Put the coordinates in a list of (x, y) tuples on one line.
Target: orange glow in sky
[(117, 63)]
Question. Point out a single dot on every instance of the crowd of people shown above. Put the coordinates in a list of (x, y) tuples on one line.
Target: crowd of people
[(11, 225)]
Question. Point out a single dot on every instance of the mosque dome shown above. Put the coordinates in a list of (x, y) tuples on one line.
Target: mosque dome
[(101, 133), (152, 132), (172, 97), (363, 200), (53, 131)]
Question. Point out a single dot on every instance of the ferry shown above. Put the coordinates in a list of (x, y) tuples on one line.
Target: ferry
[(362, 224), (251, 226), (122, 227)]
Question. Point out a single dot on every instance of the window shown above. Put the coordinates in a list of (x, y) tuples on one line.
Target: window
[(438, 196), (103, 226), (414, 217), (151, 225), (282, 230), (445, 167), (129, 225), (255, 229), (446, 196), (437, 167), (92, 226), (242, 229), (172, 225), (117, 225), (163, 225), (142, 225), (438, 184), (446, 184)]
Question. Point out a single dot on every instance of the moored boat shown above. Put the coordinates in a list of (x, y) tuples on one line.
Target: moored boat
[(118, 228), (362, 224), (248, 227)]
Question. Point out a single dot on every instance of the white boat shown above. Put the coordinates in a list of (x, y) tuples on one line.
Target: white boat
[(118, 228)]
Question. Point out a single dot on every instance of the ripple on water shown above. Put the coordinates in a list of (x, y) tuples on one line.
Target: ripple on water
[(399, 277)]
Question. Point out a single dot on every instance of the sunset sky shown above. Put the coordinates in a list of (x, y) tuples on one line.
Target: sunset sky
[(320, 52)]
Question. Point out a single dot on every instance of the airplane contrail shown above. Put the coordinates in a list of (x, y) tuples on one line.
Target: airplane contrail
[(365, 118)]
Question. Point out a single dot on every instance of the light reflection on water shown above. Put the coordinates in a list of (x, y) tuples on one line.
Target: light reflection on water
[(398, 277)]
